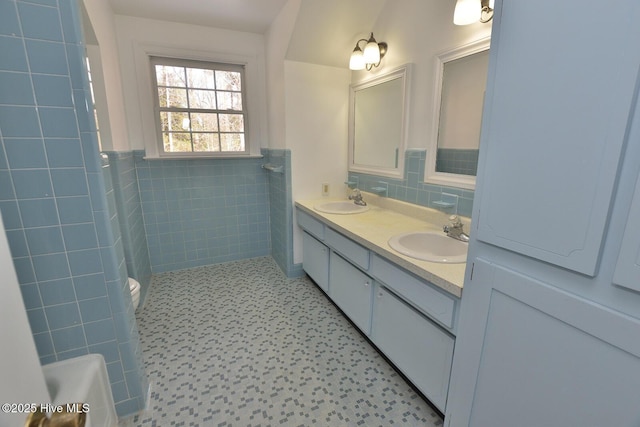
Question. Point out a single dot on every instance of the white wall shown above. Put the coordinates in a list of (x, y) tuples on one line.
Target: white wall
[(102, 21), (317, 106), (138, 38), (277, 45)]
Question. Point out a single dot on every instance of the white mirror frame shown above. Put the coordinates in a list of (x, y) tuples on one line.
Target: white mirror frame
[(431, 175), (403, 72)]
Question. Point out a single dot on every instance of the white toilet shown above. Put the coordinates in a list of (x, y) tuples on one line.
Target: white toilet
[(134, 287)]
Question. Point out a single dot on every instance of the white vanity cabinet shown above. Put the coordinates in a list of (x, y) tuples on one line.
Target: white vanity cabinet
[(316, 260), (419, 348), (315, 253), (435, 304), (351, 290), (409, 319)]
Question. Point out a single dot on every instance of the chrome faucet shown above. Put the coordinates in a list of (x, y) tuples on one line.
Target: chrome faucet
[(455, 229), (356, 196)]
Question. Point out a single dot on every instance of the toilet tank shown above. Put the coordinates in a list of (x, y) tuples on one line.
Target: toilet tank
[(83, 379)]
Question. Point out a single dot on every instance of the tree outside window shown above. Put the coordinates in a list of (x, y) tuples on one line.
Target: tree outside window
[(200, 106)]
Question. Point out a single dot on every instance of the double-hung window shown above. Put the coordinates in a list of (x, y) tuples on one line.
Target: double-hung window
[(199, 107)]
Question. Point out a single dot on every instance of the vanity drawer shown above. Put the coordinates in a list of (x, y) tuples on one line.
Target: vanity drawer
[(420, 294), (310, 224), (348, 248)]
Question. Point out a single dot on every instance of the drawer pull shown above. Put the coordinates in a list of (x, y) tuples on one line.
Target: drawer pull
[(366, 284)]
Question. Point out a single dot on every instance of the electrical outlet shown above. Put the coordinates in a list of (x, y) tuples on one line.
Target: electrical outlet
[(325, 188)]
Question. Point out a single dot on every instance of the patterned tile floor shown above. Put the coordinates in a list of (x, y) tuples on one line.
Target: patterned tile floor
[(239, 344)]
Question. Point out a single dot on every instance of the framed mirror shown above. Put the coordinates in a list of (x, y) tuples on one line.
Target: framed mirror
[(460, 80), (378, 111)]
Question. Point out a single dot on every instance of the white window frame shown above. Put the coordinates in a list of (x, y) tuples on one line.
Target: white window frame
[(139, 107), (207, 65)]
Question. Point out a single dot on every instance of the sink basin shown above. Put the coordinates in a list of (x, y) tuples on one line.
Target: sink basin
[(430, 246), (343, 207)]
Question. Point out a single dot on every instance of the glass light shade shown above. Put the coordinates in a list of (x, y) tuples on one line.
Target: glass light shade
[(357, 60), (467, 12), (372, 52)]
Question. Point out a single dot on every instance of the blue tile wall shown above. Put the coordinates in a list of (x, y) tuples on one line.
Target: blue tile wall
[(65, 243), (281, 211), (203, 211), (129, 207), (121, 329), (412, 187)]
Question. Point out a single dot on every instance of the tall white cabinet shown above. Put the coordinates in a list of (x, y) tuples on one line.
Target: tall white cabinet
[(549, 331)]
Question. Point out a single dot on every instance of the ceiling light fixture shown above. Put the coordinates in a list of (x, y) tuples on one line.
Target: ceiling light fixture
[(369, 57), (470, 11)]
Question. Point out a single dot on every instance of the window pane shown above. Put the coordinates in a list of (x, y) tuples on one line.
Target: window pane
[(176, 142), (170, 76), (174, 122), (207, 122), (199, 78), (206, 142), (170, 97), (232, 141), (228, 80), (200, 108), (202, 99), (230, 101), (231, 123)]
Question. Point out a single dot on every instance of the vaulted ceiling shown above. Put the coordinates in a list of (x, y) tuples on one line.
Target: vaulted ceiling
[(253, 16), (325, 30)]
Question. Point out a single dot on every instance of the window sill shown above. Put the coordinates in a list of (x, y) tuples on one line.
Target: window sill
[(205, 157)]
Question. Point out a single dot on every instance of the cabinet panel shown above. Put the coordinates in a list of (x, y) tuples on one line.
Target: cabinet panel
[(310, 224), (351, 290), (420, 349), (546, 357), (348, 248), (627, 272), (426, 298), (562, 135), (315, 260)]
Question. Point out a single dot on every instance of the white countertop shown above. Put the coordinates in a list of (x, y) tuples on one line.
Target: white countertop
[(386, 218)]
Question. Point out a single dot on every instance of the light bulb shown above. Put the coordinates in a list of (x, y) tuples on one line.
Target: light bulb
[(467, 12), (372, 51), (357, 60)]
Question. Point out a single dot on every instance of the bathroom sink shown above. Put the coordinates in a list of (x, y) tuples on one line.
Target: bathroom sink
[(430, 246), (343, 207)]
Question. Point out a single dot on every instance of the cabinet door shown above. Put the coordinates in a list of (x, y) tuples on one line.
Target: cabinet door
[(315, 261), (419, 348), (351, 290), (555, 121), (542, 357), (627, 272)]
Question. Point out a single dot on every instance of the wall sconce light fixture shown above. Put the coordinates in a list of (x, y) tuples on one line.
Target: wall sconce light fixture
[(470, 11), (369, 57)]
